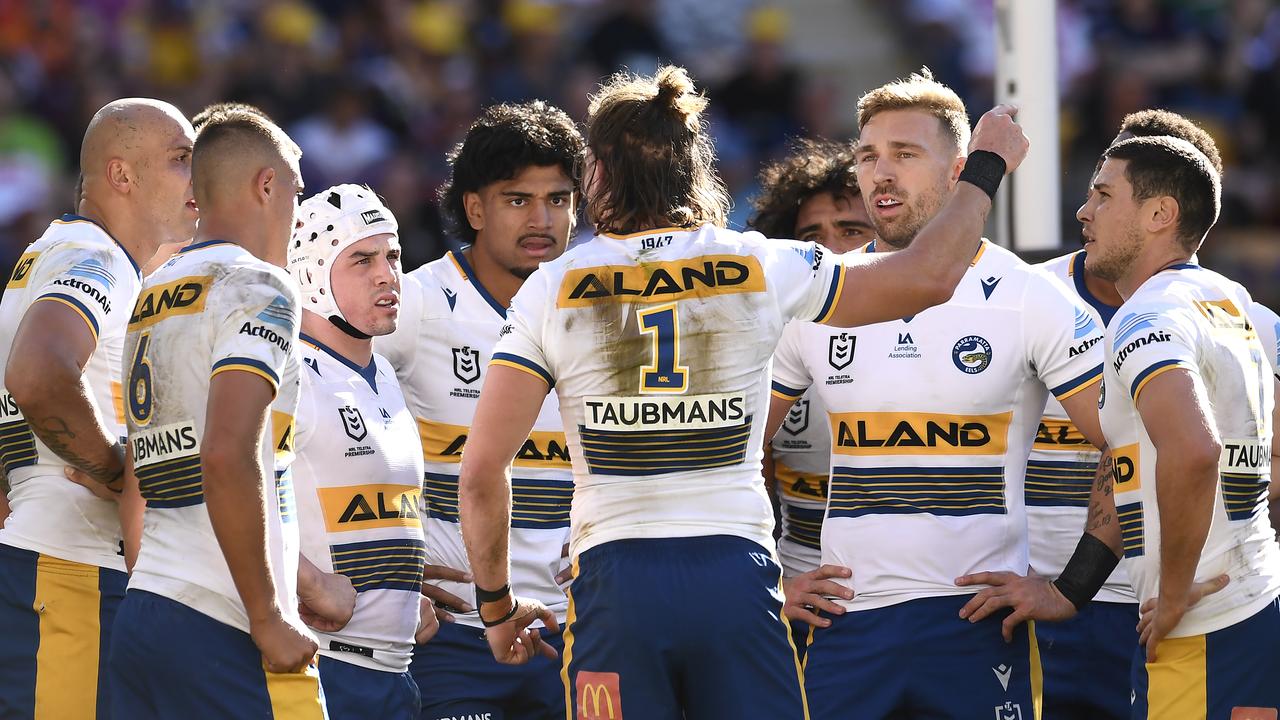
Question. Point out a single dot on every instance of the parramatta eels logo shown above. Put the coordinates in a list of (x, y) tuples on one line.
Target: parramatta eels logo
[(1102, 393), (797, 420), (840, 350), (353, 422), (971, 354), (466, 364)]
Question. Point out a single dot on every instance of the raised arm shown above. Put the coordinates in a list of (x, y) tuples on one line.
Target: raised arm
[(889, 286)]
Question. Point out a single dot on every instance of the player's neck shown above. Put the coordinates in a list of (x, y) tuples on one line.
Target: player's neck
[(1103, 290), (494, 278), (1157, 256), (135, 235), (355, 350), (215, 225)]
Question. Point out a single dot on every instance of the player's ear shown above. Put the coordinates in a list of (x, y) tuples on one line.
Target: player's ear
[(474, 209), (956, 166), (265, 184), (1162, 213), (119, 174)]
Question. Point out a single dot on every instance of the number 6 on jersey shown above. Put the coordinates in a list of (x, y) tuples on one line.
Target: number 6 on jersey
[(665, 374), (140, 383)]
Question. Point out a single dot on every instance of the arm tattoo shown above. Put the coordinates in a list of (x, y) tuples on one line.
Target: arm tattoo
[(1102, 510), (54, 432)]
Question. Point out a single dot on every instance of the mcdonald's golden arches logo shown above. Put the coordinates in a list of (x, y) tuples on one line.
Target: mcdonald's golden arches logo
[(599, 697)]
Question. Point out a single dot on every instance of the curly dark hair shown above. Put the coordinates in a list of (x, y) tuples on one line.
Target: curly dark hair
[(502, 142), (814, 166), (1155, 122)]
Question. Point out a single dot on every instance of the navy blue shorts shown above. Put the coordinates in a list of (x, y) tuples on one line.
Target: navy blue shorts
[(1086, 662), (354, 692), (55, 634), (170, 662), (919, 659), (1228, 674), (458, 678), (671, 628)]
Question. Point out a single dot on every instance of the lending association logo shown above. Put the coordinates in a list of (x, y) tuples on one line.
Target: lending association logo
[(971, 354), (906, 347)]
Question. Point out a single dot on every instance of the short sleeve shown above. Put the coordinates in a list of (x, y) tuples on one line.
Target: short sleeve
[(1149, 340), (1267, 324), (1064, 342), (521, 342), (258, 323), (790, 376), (99, 284), (400, 347), (808, 280)]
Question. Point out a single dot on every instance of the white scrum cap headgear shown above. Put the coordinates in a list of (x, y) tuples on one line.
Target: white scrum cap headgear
[(329, 222)]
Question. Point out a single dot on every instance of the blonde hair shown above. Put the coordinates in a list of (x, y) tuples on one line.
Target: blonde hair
[(649, 135), (919, 91)]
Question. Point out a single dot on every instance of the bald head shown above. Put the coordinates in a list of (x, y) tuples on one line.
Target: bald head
[(235, 144), (131, 129)]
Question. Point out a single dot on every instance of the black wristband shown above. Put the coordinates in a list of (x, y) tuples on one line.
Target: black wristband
[(1087, 570), (488, 596), (515, 606), (984, 169)]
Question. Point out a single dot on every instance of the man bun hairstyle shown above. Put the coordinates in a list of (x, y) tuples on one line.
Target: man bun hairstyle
[(656, 160)]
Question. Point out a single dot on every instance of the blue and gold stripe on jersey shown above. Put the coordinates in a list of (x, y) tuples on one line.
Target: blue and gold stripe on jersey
[(1244, 494), (833, 295), (519, 363), (804, 526), (17, 442), (257, 367), (75, 304), (539, 504), (784, 392), (653, 452), (1078, 383), (948, 491), (285, 501), (1051, 483), (391, 564), (1131, 528), (1141, 379), (172, 483)]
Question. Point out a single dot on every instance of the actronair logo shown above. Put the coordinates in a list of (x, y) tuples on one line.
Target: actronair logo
[(1155, 336), (1083, 347)]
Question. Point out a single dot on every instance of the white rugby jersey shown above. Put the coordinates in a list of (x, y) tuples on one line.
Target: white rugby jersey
[(801, 466), (932, 418), (1193, 319), (358, 476), (448, 326), (213, 307), (658, 345), (76, 263), (1061, 467)]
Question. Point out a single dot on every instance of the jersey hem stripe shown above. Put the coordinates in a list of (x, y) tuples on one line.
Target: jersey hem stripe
[(1071, 387), (256, 367), (1150, 373), (519, 363), (833, 296), (784, 392), (76, 305)]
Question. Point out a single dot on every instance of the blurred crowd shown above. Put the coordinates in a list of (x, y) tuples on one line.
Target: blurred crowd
[(378, 91)]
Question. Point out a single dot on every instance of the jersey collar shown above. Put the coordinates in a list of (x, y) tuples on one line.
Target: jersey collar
[(1082, 289), (368, 372), (464, 269), (71, 217)]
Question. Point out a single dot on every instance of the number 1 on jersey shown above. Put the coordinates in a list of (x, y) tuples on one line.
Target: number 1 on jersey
[(665, 374)]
